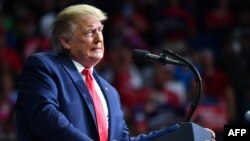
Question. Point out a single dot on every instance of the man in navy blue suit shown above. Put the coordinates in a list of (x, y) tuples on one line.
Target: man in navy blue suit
[(54, 103)]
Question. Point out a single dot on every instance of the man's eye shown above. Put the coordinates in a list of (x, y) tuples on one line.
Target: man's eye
[(100, 29), (90, 33)]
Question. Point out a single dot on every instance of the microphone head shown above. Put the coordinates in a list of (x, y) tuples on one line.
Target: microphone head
[(140, 55)]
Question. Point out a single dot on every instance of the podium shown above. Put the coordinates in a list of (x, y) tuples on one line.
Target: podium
[(184, 131)]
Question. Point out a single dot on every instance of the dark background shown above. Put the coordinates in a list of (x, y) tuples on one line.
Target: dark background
[(212, 34)]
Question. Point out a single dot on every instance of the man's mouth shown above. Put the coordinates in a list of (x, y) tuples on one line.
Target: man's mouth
[(96, 49)]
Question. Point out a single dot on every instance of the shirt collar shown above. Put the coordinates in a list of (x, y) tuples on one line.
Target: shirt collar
[(80, 67)]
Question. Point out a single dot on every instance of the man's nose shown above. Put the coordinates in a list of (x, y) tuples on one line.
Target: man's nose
[(98, 36)]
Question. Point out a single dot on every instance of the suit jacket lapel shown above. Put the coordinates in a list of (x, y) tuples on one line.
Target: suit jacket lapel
[(70, 68)]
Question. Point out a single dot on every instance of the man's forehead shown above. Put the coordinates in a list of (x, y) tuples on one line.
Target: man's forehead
[(89, 22)]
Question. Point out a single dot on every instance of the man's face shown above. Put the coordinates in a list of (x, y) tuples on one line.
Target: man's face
[(86, 44)]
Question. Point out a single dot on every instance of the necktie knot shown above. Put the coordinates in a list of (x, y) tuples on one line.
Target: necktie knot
[(86, 72)]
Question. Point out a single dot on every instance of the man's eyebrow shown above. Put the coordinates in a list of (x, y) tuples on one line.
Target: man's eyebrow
[(91, 26)]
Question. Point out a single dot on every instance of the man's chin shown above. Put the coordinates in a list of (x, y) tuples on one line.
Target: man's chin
[(96, 59)]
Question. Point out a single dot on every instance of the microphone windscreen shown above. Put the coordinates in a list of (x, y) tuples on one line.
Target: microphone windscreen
[(140, 55)]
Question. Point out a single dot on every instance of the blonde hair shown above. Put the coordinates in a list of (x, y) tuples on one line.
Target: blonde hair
[(66, 20)]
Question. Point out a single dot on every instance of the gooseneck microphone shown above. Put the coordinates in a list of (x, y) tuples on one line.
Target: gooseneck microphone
[(163, 59), (185, 130), (143, 55)]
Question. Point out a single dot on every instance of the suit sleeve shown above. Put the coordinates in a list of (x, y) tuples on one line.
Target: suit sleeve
[(38, 108), (141, 137)]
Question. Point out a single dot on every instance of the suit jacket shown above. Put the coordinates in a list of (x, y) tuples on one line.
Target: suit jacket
[(53, 103)]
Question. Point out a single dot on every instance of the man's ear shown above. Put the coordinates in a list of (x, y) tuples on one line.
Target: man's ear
[(65, 42)]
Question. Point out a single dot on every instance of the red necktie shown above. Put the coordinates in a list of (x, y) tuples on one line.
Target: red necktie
[(100, 115)]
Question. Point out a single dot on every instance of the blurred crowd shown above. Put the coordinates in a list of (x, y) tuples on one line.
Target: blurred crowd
[(214, 35)]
